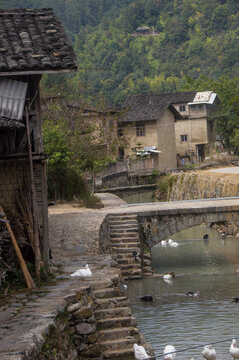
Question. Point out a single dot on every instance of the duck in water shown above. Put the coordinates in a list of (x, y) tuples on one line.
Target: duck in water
[(192, 293)]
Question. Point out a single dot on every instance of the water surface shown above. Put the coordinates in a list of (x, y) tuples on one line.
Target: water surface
[(173, 317)]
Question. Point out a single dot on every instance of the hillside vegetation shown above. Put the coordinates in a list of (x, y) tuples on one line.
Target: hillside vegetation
[(196, 37), (196, 48)]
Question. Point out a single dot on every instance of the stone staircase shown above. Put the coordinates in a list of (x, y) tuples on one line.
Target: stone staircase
[(116, 334), (124, 239)]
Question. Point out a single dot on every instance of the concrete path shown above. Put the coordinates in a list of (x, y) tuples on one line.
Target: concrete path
[(226, 170)]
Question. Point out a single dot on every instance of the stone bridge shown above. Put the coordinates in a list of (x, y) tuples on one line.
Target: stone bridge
[(141, 226)]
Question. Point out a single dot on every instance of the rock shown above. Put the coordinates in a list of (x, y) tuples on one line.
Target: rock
[(73, 308), (92, 350), (83, 313), (147, 263), (85, 328), (237, 235), (92, 338), (83, 346), (147, 269)]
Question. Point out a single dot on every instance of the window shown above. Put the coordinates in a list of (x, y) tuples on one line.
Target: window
[(197, 106), (184, 138), (182, 108), (140, 130)]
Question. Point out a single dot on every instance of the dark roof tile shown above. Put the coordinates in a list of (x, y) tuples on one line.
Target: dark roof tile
[(33, 40), (152, 107)]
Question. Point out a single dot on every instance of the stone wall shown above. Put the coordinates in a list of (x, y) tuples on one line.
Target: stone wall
[(104, 236), (191, 185), (75, 332)]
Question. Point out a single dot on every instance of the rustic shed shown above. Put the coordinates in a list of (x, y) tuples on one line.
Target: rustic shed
[(32, 43)]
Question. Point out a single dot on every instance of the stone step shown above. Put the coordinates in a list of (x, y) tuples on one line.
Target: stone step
[(112, 313), (110, 303), (127, 221), (135, 277), (114, 322), (102, 284), (130, 266), (147, 269), (125, 245), (128, 260), (127, 353), (131, 272), (107, 293), (122, 217), (148, 273), (122, 250), (117, 333), (124, 235), (128, 256), (124, 226), (124, 231), (124, 240), (117, 344)]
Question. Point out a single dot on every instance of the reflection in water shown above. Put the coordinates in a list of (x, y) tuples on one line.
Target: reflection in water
[(175, 318), (146, 196)]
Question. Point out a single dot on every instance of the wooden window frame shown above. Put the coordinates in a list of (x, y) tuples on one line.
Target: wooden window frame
[(140, 129)]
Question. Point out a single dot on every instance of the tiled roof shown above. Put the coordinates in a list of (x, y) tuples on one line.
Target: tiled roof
[(33, 40), (151, 107)]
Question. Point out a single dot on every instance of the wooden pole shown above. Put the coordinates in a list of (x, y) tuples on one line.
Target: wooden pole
[(45, 244), (34, 202), (27, 276)]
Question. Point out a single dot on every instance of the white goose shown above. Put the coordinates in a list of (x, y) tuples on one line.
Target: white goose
[(167, 277), (234, 350), (168, 281), (82, 272), (174, 244), (170, 241), (140, 353), (209, 353), (164, 243), (167, 350)]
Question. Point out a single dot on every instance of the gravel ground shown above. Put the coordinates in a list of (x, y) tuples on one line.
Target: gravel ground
[(74, 232)]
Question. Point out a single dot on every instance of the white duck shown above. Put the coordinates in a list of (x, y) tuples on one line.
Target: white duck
[(174, 244), (140, 353), (82, 272), (234, 350), (167, 277), (209, 353), (168, 281), (170, 241), (169, 352), (164, 243)]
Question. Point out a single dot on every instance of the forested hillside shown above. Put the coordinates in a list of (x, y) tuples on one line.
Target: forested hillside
[(195, 38)]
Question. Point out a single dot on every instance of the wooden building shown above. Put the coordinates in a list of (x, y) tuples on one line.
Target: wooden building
[(32, 43)]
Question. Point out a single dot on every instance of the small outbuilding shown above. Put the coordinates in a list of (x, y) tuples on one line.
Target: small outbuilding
[(32, 43)]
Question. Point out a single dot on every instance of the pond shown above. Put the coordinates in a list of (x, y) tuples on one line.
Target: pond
[(145, 196), (173, 317)]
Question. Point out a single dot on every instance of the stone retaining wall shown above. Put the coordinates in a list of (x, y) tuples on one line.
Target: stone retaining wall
[(191, 185), (73, 333)]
